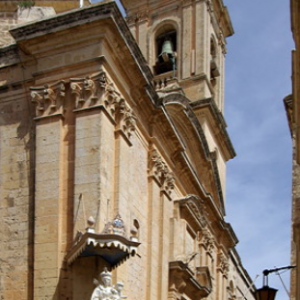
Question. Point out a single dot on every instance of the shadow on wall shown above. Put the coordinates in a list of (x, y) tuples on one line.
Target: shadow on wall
[(77, 281)]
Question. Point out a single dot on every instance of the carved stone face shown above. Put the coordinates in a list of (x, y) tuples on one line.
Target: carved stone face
[(106, 281)]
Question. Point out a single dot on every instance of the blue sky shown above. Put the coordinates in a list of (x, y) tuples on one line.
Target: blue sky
[(258, 72), (258, 198)]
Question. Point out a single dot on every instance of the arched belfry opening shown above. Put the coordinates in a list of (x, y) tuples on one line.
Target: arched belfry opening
[(166, 50)]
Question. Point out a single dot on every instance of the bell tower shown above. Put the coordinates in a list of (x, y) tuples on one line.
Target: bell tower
[(183, 40)]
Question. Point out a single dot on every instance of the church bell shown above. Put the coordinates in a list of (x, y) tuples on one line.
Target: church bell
[(167, 50)]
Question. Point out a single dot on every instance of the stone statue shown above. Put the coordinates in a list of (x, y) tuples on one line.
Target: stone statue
[(106, 291)]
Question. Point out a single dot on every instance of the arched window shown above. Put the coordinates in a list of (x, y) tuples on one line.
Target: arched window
[(166, 50)]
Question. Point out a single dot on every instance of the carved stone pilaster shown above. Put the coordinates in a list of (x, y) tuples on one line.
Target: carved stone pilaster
[(88, 91), (48, 99), (161, 173)]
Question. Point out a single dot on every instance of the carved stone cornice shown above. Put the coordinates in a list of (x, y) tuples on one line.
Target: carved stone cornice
[(48, 99), (160, 171)]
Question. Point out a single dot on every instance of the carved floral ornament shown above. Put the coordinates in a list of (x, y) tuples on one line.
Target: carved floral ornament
[(89, 92), (161, 172)]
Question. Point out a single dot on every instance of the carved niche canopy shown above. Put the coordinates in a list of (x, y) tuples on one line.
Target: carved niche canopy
[(112, 244)]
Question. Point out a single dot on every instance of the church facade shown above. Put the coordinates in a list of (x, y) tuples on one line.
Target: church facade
[(113, 151)]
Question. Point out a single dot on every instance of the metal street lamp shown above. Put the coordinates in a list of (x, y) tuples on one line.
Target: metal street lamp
[(267, 293)]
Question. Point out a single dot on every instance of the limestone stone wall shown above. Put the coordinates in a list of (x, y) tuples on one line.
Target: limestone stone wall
[(7, 21), (16, 204)]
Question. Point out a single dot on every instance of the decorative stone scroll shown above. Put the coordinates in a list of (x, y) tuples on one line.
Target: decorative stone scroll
[(223, 265), (162, 173), (48, 99)]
